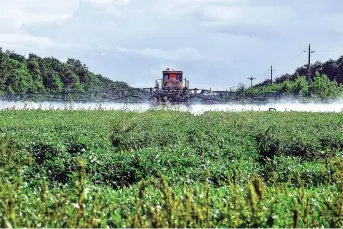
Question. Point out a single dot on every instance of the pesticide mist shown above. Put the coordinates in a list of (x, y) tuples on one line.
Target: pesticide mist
[(285, 106)]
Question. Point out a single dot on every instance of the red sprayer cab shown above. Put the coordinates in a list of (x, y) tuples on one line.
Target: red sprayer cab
[(172, 79)]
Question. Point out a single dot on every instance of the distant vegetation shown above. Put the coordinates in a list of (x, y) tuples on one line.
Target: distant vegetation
[(333, 69), (321, 87), (35, 74), (326, 82)]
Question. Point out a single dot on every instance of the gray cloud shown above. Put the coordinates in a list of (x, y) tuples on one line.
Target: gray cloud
[(218, 43)]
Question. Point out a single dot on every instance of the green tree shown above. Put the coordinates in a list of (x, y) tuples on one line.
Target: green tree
[(69, 79), (34, 70), (52, 81), (36, 74), (323, 88), (300, 86), (78, 68)]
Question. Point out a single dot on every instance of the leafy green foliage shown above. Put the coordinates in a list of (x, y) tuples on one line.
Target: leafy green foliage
[(321, 87), (333, 69), (220, 169), (324, 88), (19, 75), (326, 80)]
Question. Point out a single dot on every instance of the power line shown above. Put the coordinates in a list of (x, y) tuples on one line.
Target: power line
[(310, 52), (291, 59), (263, 73), (324, 49), (297, 56), (336, 39)]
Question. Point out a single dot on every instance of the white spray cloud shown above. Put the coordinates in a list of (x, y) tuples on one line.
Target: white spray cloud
[(196, 109)]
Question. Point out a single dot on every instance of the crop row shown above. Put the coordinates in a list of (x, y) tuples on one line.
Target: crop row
[(294, 156)]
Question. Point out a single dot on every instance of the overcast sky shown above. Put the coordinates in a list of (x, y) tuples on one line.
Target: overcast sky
[(217, 43)]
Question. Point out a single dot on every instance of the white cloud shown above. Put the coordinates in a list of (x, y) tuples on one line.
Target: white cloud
[(15, 14), (21, 12), (178, 54), (217, 43), (251, 15), (105, 3), (16, 40)]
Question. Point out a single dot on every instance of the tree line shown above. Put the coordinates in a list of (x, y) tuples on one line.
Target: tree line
[(35, 74), (326, 82)]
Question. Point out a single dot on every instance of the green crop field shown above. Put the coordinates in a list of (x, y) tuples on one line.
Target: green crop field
[(170, 169)]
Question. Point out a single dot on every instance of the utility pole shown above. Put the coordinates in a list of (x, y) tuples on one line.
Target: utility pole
[(309, 64), (271, 74), (251, 79)]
